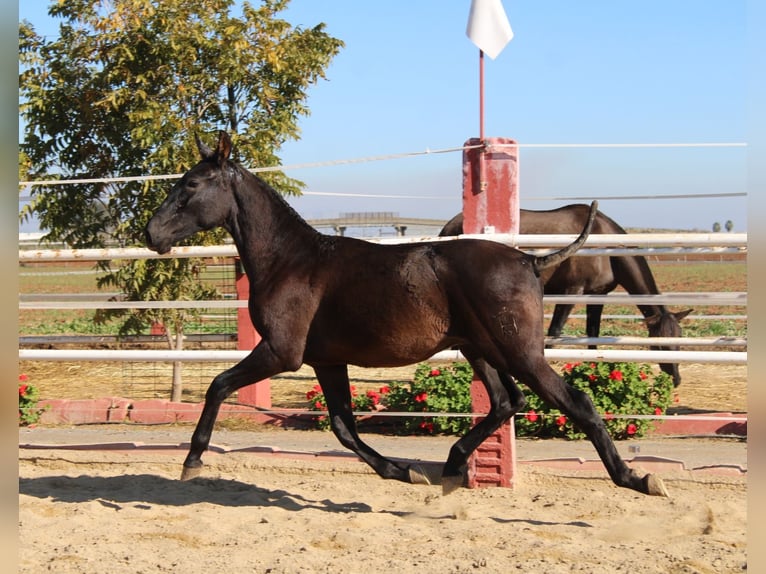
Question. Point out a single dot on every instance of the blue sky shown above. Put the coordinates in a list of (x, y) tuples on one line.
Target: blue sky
[(660, 71)]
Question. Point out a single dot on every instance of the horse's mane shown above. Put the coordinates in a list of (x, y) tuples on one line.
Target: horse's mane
[(285, 210)]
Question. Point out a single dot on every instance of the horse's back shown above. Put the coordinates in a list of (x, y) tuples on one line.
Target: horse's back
[(569, 219)]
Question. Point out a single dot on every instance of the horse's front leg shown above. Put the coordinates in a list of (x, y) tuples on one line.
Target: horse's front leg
[(335, 386), (593, 321), (560, 315), (258, 365)]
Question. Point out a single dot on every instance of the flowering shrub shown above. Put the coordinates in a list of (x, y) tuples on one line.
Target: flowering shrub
[(614, 388), (370, 401), (446, 389), (28, 396)]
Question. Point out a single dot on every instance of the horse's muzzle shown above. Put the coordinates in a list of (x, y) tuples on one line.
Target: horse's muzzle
[(153, 245)]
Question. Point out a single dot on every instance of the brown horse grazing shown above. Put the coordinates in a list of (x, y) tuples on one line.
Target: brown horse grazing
[(593, 275), (331, 301)]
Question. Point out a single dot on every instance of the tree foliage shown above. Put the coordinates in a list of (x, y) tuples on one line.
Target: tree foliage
[(122, 91)]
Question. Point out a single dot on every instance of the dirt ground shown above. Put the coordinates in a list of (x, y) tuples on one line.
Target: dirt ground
[(100, 511), (108, 511)]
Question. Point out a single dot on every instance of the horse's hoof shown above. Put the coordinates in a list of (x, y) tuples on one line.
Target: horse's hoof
[(450, 484), (418, 474), (191, 472), (655, 486)]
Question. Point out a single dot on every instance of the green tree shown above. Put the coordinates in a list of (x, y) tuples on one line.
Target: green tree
[(716, 227), (729, 225), (123, 90)]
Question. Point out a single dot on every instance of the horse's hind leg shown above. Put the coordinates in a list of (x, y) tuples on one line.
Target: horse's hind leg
[(505, 400), (335, 386), (578, 406)]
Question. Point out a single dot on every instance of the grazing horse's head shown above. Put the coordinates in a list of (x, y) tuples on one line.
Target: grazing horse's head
[(197, 202), (666, 324)]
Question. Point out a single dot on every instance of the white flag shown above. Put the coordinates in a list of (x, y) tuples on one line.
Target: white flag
[(488, 26)]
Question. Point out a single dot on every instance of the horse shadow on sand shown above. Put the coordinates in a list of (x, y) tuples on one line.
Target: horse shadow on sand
[(145, 491)]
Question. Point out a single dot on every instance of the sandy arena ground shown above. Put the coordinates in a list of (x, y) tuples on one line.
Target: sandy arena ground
[(102, 511)]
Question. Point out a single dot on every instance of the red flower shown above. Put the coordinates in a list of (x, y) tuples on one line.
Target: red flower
[(615, 375), (385, 389), (310, 395), (631, 429), (593, 365), (531, 416), (561, 420), (568, 367), (592, 377), (353, 391), (427, 426), (608, 416), (658, 411), (643, 375), (435, 372), (23, 378), (318, 406), (374, 397), (22, 390), (421, 397)]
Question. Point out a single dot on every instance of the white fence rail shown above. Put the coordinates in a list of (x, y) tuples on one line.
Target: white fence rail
[(735, 298), (147, 355), (610, 244)]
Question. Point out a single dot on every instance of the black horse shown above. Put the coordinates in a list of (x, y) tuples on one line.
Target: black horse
[(330, 301), (594, 275)]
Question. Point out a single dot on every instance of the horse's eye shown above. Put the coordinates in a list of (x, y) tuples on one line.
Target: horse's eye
[(191, 184)]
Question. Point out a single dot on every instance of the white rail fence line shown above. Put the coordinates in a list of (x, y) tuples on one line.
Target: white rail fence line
[(223, 356), (632, 244), (734, 298), (596, 245)]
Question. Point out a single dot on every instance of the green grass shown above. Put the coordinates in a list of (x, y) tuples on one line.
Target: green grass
[(74, 278)]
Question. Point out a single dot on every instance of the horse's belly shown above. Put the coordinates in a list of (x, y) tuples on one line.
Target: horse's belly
[(381, 344)]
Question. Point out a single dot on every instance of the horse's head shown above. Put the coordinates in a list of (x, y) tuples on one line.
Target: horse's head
[(667, 324), (197, 202)]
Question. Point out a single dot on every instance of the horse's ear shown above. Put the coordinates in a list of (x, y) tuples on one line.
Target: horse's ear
[(682, 314), (224, 147), (204, 150)]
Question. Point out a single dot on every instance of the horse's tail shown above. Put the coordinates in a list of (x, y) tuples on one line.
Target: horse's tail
[(557, 257)]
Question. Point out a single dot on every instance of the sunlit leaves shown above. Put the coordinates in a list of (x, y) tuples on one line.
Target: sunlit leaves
[(123, 89)]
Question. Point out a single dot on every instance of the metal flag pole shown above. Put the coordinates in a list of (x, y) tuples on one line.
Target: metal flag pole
[(489, 29), (481, 95), (482, 166)]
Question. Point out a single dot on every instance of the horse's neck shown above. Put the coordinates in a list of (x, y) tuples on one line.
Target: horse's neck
[(266, 230), (634, 275)]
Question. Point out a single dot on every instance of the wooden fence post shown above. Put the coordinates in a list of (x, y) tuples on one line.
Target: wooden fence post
[(490, 205), (258, 394)]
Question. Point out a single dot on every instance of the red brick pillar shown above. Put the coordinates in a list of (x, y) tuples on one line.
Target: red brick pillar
[(490, 205), (258, 394)]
